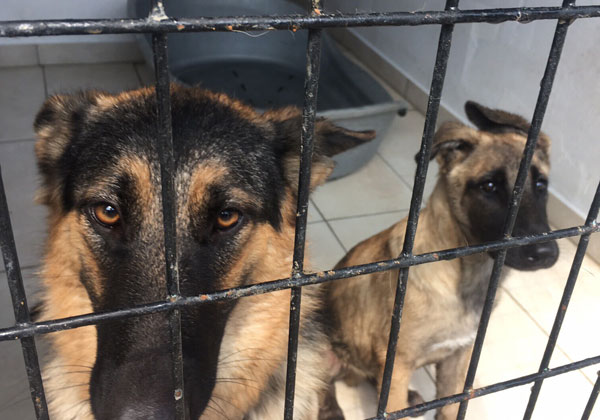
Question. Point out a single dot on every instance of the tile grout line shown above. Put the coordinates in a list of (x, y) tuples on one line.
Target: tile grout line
[(359, 216), (37, 50), (330, 227), (391, 167), (543, 330)]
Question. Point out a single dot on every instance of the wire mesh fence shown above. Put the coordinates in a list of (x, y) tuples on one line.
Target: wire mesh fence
[(160, 25)]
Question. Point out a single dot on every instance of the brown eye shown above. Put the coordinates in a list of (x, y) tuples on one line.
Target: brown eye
[(106, 214), (228, 219)]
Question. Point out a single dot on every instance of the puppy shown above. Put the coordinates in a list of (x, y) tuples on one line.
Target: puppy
[(235, 183), (443, 300)]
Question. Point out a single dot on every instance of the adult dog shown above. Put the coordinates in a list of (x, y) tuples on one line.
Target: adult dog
[(443, 300), (235, 182)]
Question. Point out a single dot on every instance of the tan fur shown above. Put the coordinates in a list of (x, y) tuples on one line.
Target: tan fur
[(253, 352), (75, 350), (437, 327)]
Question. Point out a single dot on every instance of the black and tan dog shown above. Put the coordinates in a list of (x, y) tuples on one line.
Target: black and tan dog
[(235, 182), (444, 299)]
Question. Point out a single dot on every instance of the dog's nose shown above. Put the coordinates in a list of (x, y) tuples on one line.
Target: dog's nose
[(541, 255)]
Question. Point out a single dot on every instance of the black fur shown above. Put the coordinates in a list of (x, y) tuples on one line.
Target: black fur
[(132, 372)]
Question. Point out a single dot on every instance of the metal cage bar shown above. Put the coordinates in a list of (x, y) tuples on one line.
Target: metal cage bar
[(45, 327), (592, 400), (564, 303), (20, 308), (433, 105), (490, 389), (169, 208), (267, 23), (307, 134), (159, 25), (532, 137)]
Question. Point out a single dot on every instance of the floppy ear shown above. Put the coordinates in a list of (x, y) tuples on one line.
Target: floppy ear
[(498, 121), (452, 143), (329, 141), (55, 125)]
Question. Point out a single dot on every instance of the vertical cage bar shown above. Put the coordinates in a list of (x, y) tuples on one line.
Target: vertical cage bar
[(532, 137), (169, 207), (587, 412), (564, 303), (433, 105), (20, 308), (311, 84)]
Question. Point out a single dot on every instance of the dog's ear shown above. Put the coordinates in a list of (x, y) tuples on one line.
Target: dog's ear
[(329, 141), (498, 121), (55, 125), (495, 120), (452, 142)]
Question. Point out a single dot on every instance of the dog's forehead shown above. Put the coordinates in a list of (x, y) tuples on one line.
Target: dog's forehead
[(215, 141), (500, 151)]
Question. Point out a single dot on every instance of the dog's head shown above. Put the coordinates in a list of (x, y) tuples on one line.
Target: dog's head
[(235, 182), (479, 168)]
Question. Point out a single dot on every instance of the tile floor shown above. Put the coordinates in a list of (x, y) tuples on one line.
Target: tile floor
[(342, 213)]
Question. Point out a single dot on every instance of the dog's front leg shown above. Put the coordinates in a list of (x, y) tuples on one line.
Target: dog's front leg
[(450, 379), (398, 398)]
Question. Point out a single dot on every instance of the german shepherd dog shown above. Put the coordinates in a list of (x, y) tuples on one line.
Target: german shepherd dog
[(235, 183), (444, 300)]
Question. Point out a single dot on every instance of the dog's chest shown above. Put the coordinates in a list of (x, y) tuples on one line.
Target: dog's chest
[(462, 311), (476, 271)]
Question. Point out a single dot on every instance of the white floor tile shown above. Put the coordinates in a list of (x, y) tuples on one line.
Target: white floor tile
[(372, 189), (353, 230), (313, 213), (28, 219), (513, 347), (22, 95), (323, 250), (539, 292), (15, 400), (110, 77)]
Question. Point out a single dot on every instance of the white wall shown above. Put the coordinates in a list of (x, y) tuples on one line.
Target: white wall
[(63, 9), (501, 66)]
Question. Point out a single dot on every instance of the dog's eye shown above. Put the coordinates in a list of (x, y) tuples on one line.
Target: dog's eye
[(106, 214), (541, 185), (488, 187), (228, 218)]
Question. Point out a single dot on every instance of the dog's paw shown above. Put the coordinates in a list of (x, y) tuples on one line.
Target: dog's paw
[(414, 398)]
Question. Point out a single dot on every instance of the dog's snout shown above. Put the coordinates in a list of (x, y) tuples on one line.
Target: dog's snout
[(138, 387)]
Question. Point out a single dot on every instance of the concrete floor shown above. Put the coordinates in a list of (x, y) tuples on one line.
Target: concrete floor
[(338, 219)]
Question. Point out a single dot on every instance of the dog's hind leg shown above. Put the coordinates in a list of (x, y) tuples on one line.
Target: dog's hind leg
[(450, 378), (329, 408)]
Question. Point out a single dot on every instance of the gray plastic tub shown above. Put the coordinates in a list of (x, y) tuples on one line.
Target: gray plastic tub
[(266, 69)]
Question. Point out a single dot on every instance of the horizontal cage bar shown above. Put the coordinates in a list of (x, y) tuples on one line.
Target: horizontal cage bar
[(287, 283), (162, 23)]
